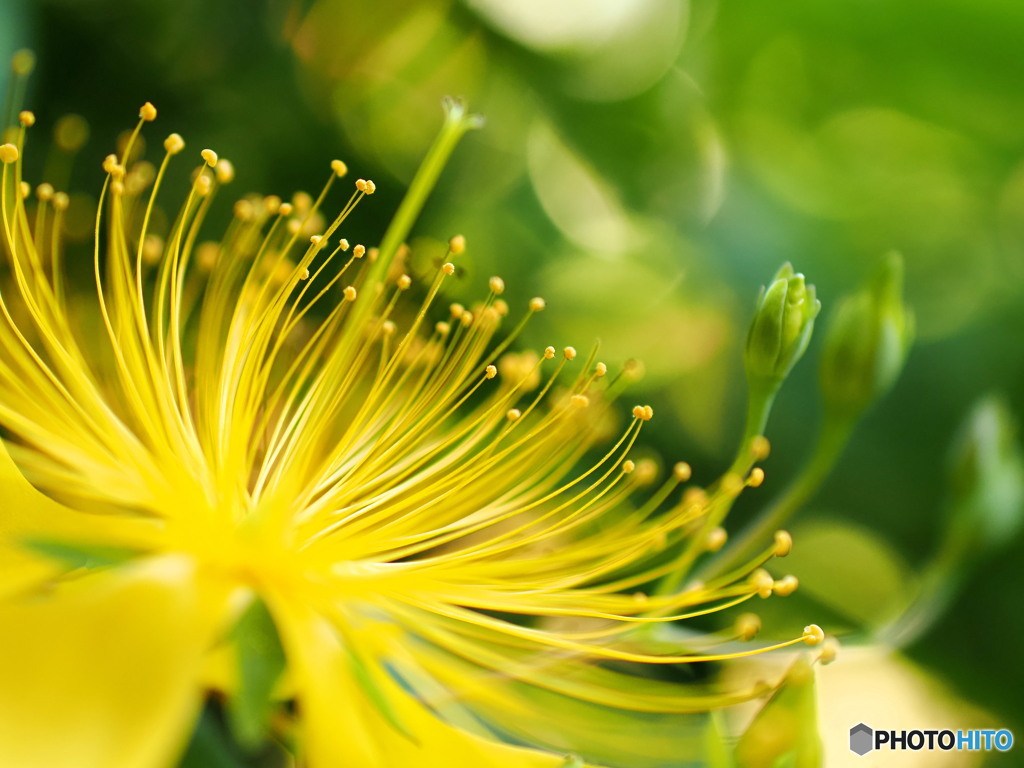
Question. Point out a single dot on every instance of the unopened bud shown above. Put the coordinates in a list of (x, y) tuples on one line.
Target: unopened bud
[(781, 329), (867, 342)]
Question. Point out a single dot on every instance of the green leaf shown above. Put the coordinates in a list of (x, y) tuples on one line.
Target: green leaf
[(261, 661), (849, 569), (77, 554)]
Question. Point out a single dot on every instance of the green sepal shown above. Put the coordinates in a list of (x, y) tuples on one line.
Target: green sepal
[(785, 732), (260, 662), (79, 554)]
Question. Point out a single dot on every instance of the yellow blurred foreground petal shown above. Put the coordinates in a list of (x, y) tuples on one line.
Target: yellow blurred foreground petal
[(102, 671), (343, 729), (26, 514)]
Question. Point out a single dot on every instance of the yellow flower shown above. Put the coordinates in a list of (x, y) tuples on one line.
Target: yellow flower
[(269, 430)]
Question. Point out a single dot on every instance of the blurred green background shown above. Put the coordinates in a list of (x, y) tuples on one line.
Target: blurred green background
[(646, 166)]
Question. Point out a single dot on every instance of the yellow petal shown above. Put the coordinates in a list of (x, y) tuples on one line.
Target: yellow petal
[(102, 671), (343, 727), (25, 514)]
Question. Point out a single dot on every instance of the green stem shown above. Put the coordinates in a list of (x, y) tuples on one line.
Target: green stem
[(759, 406), (457, 122), (835, 434)]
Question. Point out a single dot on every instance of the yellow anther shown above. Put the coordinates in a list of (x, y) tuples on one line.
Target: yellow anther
[(497, 285), (271, 204), (783, 543), (570, 353), (457, 245), (304, 275), (490, 371), (628, 466), (501, 307), (343, 244), (373, 253), (682, 471), (748, 625), (316, 240), (829, 651), (388, 328), (786, 586), (285, 209), (756, 477), (148, 112), (26, 118), (25, 189), (110, 163), (537, 304), (513, 414), (760, 447), (70, 132), (152, 249), (403, 282), (466, 318), (643, 412), (448, 268), (61, 201), (339, 168), (361, 185), (633, 370), (813, 634), (174, 144), (695, 498), (716, 539), (443, 328), (762, 583), (44, 191), (243, 210), (293, 226), (349, 293), (23, 62), (206, 255), (302, 201), (359, 251), (646, 471), (456, 310), (370, 187), (209, 156), (580, 401), (549, 353), (225, 171), (600, 370)]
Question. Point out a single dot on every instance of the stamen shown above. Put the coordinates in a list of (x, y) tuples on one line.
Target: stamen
[(786, 586), (813, 634), (174, 144), (783, 543)]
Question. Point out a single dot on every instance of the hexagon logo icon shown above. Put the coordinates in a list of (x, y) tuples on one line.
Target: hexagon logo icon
[(861, 739)]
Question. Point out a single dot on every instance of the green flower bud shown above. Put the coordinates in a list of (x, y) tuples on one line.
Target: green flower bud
[(867, 342), (986, 479), (781, 329)]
